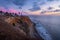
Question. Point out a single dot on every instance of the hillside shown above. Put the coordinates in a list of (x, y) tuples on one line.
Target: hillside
[(17, 28)]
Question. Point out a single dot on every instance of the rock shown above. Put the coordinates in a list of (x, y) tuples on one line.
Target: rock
[(9, 32), (18, 28)]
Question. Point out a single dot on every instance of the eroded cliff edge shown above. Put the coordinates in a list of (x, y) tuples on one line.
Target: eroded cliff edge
[(17, 28)]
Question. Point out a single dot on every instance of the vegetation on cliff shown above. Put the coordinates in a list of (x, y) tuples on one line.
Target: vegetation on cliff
[(14, 27)]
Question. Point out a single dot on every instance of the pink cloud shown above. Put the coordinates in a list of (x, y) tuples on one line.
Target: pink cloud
[(11, 10), (3, 9)]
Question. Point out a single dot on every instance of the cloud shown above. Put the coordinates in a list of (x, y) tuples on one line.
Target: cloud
[(32, 5), (6, 3), (57, 10), (50, 0), (42, 12), (35, 7), (19, 3), (42, 3), (59, 6), (9, 3), (50, 8), (2, 9)]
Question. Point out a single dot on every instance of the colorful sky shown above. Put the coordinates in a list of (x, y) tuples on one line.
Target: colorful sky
[(34, 7)]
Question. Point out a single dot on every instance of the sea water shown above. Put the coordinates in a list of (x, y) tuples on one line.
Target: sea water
[(40, 28)]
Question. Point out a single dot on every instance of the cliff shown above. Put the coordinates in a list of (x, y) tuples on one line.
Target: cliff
[(17, 28)]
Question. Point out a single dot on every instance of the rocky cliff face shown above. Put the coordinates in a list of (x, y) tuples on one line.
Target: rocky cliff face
[(17, 28)]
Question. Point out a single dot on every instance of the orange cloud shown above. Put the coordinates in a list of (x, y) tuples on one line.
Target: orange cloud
[(51, 13), (34, 12)]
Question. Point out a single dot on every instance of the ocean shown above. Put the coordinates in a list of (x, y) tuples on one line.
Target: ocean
[(40, 28)]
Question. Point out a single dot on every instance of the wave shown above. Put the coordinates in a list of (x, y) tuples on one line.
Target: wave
[(40, 28)]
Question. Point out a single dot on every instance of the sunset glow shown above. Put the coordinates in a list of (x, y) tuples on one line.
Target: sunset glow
[(34, 7)]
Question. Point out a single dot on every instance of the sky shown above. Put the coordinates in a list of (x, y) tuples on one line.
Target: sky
[(34, 7)]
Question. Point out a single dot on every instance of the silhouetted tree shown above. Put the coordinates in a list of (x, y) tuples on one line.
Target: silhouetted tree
[(10, 14), (13, 14), (16, 14), (1, 11), (6, 14)]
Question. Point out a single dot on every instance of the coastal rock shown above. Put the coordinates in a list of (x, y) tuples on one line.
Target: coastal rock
[(18, 28)]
